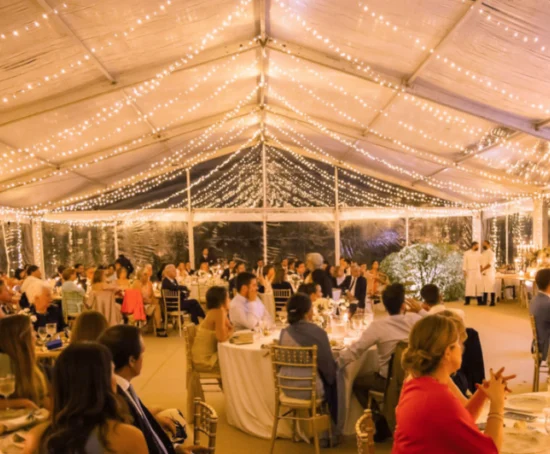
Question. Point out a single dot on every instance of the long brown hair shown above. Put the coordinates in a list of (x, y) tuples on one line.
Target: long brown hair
[(83, 399), (17, 341), (88, 326)]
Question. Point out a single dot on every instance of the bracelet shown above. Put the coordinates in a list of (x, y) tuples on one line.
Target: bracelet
[(495, 415)]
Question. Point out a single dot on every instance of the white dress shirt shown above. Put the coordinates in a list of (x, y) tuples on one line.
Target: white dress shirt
[(29, 282), (246, 314), (385, 333), (441, 307)]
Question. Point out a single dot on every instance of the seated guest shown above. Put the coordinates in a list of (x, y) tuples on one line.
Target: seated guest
[(434, 354), (301, 270), (311, 290), (303, 333), (42, 308), (124, 262), (17, 357), (433, 301), (266, 279), (19, 276), (189, 268), (192, 306), (228, 273), (259, 271), (385, 333), (88, 326), (318, 275), (215, 328), (150, 301), (181, 272), (86, 416), (279, 281), (345, 264), (540, 309), (127, 348), (363, 268), (59, 275), (34, 276), (122, 282), (68, 285), (204, 270), (88, 281), (356, 292), (110, 274), (284, 264), (291, 267), (99, 282), (246, 310), (239, 268), (6, 300), (376, 280), (340, 280)]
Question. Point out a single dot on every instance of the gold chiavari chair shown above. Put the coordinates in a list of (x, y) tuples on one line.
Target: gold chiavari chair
[(537, 356), (205, 422), (364, 431)]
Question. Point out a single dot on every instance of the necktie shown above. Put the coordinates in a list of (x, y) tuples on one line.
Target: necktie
[(152, 434)]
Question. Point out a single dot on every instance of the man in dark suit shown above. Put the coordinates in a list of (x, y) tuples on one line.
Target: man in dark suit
[(207, 257), (126, 346), (540, 309), (192, 306), (356, 289), (240, 267), (228, 272)]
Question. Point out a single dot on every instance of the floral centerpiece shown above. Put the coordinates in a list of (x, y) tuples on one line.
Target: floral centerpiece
[(427, 263)]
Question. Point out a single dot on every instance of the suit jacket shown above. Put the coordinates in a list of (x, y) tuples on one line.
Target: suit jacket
[(321, 278), (211, 260), (138, 422), (360, 289), (344, 284), (540, 309), (226, 274), (472, 370), (168, 284)]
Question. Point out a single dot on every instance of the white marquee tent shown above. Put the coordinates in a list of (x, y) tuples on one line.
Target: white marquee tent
[(100, 101)]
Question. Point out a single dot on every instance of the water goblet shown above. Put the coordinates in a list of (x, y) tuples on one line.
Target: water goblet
[(51, 329), (42, 334), (7, 386)]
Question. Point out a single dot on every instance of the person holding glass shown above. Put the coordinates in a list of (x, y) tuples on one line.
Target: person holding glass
[(18, 368)]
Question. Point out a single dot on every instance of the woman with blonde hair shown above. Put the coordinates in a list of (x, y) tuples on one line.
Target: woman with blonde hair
[(88, 326), (17, 357), (151, 302), (433, 355)]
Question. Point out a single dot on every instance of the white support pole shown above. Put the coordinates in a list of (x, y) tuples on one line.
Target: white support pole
[(477, 227), (507, 241), (115, 225), (6, 248), (540, 223), (264, 182), (407, 241), (336, 218), (190, 230), (37, 244)]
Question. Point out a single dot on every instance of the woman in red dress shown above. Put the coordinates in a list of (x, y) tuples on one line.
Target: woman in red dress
[(430, 418)]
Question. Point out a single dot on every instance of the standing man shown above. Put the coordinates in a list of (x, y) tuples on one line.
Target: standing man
[(259, 271), (488, 272), (472, 274), (207, 257), (356, 293)]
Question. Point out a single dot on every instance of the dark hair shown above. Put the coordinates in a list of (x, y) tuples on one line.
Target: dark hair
[(261, 259), (543, 279), (124, 342), (83, 399), (88, 326), (430, 294), (216, 297), (243, 279), (297, 306), (77, 265), (239, 263), (61, 268), (473, 244), (67, 273), (393, 298), (267, 269), (308, 289), (279, 275), (291, 262), (348, 261), (298, 263), (31, 269), (17, 273)]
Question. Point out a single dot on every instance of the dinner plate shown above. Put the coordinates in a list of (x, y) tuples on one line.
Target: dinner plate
[(14, 413), (527, 403), (518, 441)]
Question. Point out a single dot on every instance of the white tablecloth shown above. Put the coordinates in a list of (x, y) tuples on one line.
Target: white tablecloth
[(249, 390)]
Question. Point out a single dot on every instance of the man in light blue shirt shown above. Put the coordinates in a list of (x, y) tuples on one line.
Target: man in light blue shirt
[(246, 310)]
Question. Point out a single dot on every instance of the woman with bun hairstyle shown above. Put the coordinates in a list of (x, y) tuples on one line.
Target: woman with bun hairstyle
[(430, 417)]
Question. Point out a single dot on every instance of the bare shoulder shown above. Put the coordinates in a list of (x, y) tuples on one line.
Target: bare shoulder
[(126, 438), (32, 440)]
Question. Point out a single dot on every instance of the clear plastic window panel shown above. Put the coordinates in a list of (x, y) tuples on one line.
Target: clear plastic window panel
[(369, 240), (241, 241), (157, 243), (297, 239), (520, 232), (448, 230), (495, 233), (16, 246), (69, 244)]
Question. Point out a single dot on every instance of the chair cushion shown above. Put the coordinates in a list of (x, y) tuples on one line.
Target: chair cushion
[(296, 403)]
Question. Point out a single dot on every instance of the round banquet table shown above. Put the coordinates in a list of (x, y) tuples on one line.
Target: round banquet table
[(249, 389)]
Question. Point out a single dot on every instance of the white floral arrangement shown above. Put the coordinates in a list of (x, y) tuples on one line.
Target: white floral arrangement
[(27, 312)]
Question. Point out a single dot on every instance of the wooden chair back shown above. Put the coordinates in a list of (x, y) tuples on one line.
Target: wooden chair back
[(364, 431), (535, 349), (171, 300), (205, 422)]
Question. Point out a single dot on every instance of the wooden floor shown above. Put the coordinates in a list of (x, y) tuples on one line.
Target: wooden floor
[(505, 335)]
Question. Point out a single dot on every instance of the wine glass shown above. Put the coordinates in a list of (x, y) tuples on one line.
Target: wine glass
[(51, 329), (42, 334), (283, 317), (7, 386)]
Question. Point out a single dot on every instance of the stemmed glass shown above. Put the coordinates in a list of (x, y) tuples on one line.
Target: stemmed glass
[(7, 386), (283, 317), (42, 334), (51, 329)]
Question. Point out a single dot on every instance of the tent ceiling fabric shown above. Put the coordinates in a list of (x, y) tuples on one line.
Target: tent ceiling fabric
[(449, 97)]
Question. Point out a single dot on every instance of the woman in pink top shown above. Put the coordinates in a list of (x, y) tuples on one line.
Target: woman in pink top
[(430, 418)]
